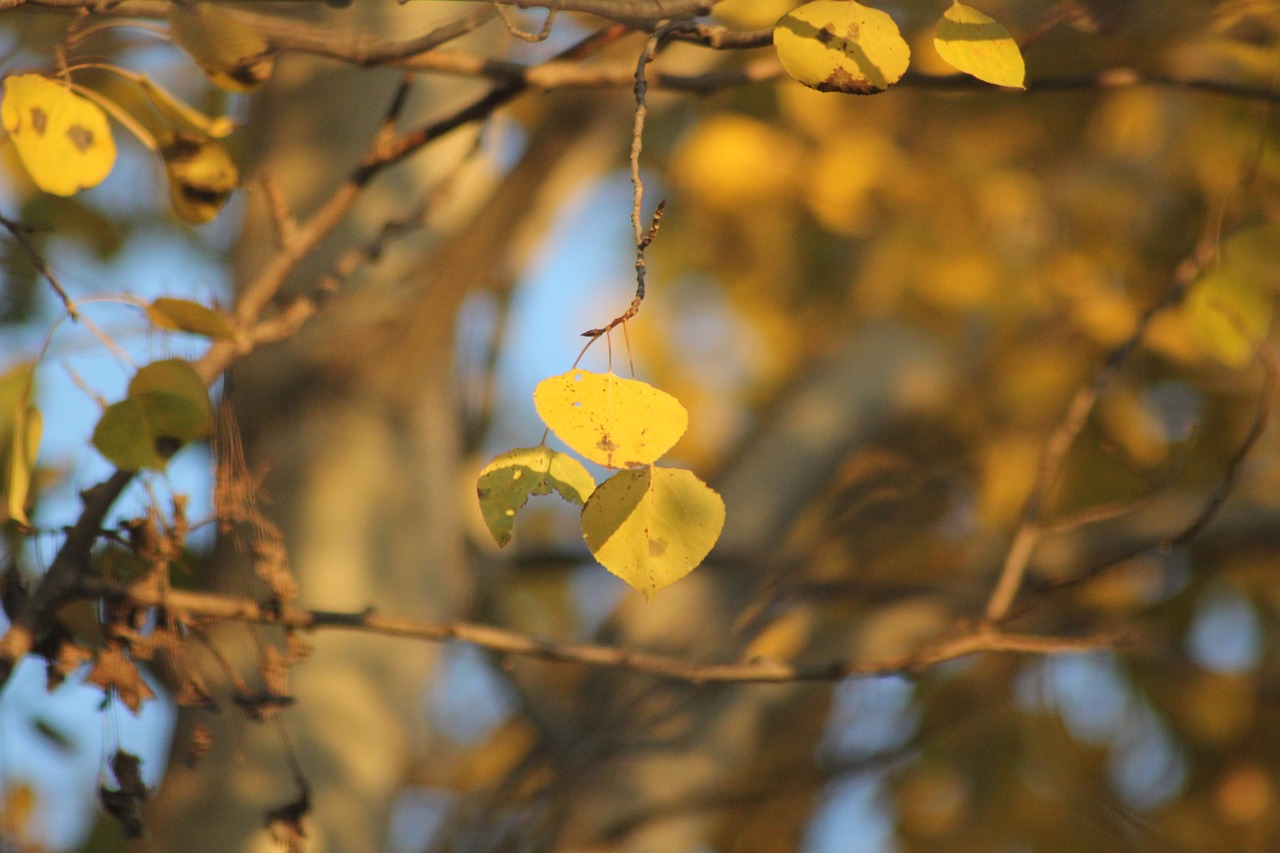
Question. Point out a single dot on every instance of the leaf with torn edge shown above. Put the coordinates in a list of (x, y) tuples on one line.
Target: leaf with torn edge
[(615, 422), (183, 315), (841, 46), (652, 526), (63, 140), (971, 42), (114, 671), (506, 484)]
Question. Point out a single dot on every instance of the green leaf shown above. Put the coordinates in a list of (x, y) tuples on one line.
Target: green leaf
[(182, 315), (652, 526), (615, 422), (1230, 314), (167, 407), (841, 46), (971, 42), (27, 428), (507, 482)]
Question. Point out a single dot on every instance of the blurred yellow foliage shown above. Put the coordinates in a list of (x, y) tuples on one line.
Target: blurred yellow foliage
[(733, 161)]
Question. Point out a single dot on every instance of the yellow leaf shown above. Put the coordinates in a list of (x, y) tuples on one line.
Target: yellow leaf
[(201, 177), (181, 315), (971, 42), (27, 427), (507, 482), (63, 139), (234, 55), (1230, 315), (615, 422), (841, 46), (652, 526)]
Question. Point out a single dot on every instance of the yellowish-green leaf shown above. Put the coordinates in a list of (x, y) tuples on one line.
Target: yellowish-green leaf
[(841, 46), (201, 177), (652, 526), (507, 482), (182, 315), (234, 55), (27, 428), (167, 407), (182, 115), (64, 140), (615, 422), (1230, 314), (971, 42)]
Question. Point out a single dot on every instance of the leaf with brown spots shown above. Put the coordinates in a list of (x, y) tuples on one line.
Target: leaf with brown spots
[(63, 139)]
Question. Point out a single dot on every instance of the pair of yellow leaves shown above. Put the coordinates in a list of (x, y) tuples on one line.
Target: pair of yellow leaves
[(648, 525), (843, 46)]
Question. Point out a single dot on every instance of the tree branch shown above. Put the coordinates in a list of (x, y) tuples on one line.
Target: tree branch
[(187, 605)]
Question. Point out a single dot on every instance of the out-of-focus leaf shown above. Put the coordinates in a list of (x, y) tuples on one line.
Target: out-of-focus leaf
[(1230, 315), (977, 45), (183, 315), (167, 407), (234, 55), (27, 428), (615, 422), (182, 115), (841, 46), (652, 526), (64, 140), (507, 482), (201, 177)]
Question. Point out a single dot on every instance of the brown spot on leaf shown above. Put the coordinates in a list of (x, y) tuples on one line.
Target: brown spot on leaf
[(39, 120), (842, 81), (657, 547), (81, 137)]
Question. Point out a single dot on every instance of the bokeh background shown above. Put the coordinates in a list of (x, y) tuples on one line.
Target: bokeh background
[(876, 310)]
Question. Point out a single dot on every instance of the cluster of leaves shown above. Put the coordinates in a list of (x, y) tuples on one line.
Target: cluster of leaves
[(166, 407), (843, 46), (63, 137), (648, 525)]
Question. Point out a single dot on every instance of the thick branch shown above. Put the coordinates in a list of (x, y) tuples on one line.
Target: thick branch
[(63, 577)]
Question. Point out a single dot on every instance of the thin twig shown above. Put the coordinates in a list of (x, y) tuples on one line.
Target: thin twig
[(19, 232), (1266, 357), (1030, 525), (189, 605)]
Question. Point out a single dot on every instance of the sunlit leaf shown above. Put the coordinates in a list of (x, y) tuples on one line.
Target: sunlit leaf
[(615, 422), (27, 428), (64, 140), (1230, 314), (183, 315), (507, 482), (182, 115), (973, 43), (841, 46), (167, 407), (234, 55), (201, 177), (652, 526)]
